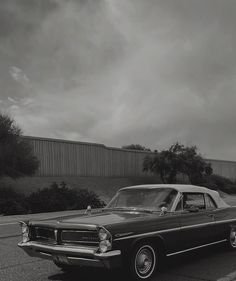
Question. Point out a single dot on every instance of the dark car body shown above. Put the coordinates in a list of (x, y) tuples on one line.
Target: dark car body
[(74, 240)]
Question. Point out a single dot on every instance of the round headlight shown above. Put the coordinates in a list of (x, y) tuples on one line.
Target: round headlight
[(104, 246), (103, 235)]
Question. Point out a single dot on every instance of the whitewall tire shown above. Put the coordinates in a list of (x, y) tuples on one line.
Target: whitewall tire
[(143, 262)]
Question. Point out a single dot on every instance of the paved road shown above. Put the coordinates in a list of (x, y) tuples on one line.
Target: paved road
[(208, 264)]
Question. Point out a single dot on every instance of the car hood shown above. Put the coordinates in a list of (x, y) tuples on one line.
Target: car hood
[(92, 221), (105, 218)]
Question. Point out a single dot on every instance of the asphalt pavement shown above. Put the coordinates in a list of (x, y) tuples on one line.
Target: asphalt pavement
[(208, 264)]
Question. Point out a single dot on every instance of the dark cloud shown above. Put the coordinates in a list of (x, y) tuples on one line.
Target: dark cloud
[(121, 72)]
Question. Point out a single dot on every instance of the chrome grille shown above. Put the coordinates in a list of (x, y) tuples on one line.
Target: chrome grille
[(82, 237), (45, 234)]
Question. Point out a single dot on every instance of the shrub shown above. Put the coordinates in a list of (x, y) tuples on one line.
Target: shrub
[(11, 202), (60, 198), (220, 183), (85, 198)]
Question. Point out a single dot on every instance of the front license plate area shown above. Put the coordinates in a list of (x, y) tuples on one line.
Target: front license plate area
[(60, 259)]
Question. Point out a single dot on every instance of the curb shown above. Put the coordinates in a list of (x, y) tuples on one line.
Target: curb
[(230, 277)]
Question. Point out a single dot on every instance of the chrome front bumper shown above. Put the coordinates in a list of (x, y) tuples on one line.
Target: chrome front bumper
[(71, 255)]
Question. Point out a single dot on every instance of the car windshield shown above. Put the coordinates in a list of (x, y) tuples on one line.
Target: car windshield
[(143, 198)]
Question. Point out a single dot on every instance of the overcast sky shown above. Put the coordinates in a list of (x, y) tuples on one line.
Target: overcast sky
[(118, 72)]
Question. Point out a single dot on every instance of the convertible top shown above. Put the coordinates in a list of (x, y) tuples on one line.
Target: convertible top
[(184, 188)]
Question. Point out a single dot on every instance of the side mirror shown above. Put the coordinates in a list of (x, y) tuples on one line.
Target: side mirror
[(163, 211)]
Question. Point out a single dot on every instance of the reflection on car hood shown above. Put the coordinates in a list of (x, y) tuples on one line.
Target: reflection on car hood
[(104, 218)]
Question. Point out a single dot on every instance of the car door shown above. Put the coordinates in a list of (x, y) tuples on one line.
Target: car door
[(169, 225), (196, 222), (224, 219)]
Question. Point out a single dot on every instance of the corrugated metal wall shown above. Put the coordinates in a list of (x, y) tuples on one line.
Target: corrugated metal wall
[(68, 158), (224, 168)]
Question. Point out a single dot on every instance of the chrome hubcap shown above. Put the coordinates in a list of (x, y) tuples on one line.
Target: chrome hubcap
[(233, 238), (145, 261)]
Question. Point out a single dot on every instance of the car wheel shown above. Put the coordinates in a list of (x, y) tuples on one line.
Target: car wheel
[(232, 238), (143, 262)]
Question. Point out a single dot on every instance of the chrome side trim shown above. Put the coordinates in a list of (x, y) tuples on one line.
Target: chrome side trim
[(174, 229), (148, 233), (208, 223), (223, 221), (194, 248), (197, 225)]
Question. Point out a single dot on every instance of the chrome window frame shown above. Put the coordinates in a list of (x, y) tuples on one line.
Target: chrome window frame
[(180, 196), (210, 209)]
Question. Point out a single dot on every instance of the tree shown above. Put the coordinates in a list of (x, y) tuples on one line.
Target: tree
[(193, 165), (165, 164), (16, 154), (178, 159), (136, 147)]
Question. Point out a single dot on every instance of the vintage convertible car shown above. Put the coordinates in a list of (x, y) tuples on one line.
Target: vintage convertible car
[(140, 226)]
